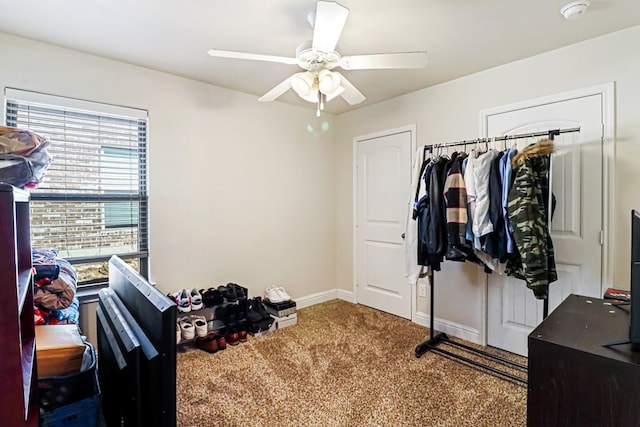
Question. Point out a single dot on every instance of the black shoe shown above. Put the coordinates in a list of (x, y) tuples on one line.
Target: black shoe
[(241, 312), (265, 318), (212, 297), (220, 313), (265, 324), (230, 322), (260, 308), (240, 291), (253, 317), (228, 293)]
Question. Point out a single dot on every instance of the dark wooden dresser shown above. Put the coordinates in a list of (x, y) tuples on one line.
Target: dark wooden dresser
[(573, 379)]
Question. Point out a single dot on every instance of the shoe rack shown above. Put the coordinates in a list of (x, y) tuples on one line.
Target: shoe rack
[(18, 372), (214, 324)]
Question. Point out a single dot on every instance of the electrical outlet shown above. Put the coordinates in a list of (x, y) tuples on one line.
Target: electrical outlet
[(422, 290)]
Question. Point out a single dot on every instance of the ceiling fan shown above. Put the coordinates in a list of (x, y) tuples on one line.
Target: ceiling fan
[(319, 84)]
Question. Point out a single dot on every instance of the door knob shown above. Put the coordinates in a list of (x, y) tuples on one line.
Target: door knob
[(402, 235)]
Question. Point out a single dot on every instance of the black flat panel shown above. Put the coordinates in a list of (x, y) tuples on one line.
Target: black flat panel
[(155, 314)]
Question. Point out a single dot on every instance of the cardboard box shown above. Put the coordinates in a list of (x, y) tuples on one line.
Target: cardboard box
[(59, 350), (283, 322)]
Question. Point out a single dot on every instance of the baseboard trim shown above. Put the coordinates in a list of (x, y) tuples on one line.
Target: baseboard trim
[(317, 298), (346, 295), (450, 328)]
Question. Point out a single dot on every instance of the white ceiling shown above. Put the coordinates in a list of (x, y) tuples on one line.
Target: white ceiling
[(460, 36)]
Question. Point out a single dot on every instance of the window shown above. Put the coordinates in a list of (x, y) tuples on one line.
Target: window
[(93, 201), (115, 161)]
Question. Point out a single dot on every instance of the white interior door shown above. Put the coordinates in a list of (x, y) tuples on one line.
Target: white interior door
[(383, 181), (576, 180)]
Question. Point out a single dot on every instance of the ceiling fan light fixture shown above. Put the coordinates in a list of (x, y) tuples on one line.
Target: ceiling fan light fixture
[(303, 84), (312, 96), (328, 82)]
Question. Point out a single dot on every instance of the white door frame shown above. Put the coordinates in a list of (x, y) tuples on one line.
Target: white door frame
[(412, 130), (607, 91)]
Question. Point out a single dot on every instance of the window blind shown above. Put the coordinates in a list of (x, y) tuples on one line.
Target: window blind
[(93, 202)]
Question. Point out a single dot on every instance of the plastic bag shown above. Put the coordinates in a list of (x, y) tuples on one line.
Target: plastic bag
[(26, 171)]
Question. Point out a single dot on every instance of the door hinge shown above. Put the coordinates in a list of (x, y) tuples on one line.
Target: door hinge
[(601, 237)]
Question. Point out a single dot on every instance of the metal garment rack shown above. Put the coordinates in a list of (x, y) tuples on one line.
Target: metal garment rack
[(441, 338)]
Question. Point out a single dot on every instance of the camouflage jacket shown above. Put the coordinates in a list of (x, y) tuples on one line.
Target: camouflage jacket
[(527, 210)]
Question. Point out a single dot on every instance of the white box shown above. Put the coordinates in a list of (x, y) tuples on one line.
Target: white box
[(283, 322)]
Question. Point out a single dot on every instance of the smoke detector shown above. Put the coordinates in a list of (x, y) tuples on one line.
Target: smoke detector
[(574, 9)]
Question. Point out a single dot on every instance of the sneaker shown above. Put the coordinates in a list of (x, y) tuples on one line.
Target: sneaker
[(196, 299), (283, 293), (272, 294), (200, 325), (182, 299), (188, 331)]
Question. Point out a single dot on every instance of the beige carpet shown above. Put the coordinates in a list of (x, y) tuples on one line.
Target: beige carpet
[(341, 365)]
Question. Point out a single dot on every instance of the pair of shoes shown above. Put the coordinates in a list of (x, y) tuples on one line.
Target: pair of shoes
[(191, 327), (277, 294), (257, 316), (235, 336), (212, 297), (228, 292), (232, 315), (187, 329), (241, 292), (211, 343), (188, 300), (267, 320)]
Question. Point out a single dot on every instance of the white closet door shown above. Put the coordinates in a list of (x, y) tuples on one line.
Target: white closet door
[(383, 182), (513, 311)]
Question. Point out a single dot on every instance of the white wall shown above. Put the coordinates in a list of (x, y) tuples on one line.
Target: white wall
[(240, 191), (450, 112)]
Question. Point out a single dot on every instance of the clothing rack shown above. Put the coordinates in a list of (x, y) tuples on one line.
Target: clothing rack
[(441, 338)]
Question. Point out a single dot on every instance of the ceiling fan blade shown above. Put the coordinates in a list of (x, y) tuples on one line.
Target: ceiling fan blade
[(252, 56), (384, 61), (328, 24), (280, 89), (335, 93), (350, 94)]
